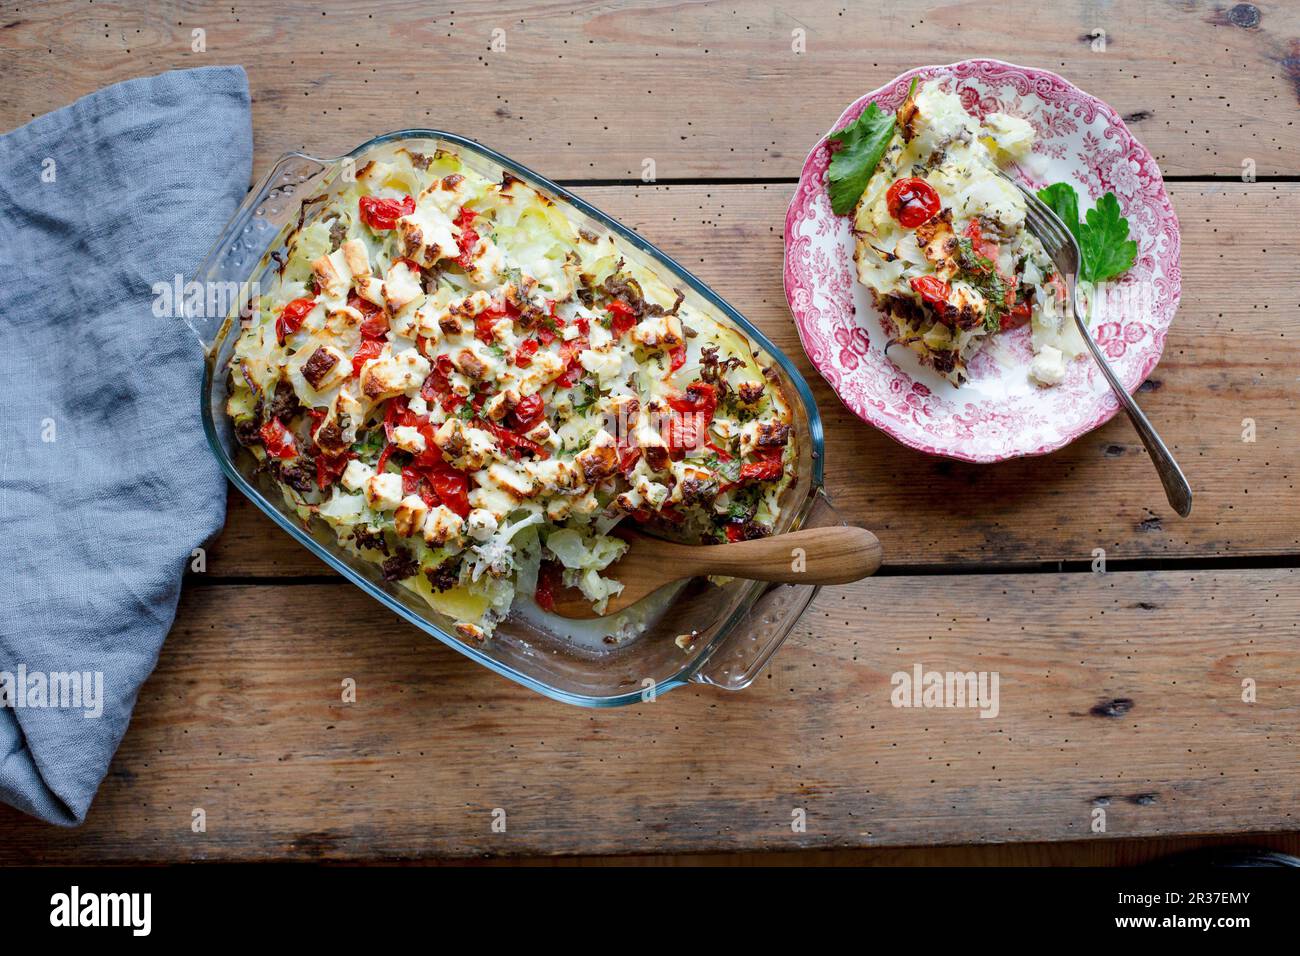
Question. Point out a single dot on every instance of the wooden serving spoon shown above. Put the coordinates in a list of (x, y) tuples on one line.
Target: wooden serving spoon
[(836, 554)]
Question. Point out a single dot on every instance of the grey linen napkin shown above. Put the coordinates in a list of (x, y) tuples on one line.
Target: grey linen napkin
[(106, 483)]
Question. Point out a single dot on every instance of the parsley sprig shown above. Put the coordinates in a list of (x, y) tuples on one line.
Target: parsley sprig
[(1103, 236), (862, 143)]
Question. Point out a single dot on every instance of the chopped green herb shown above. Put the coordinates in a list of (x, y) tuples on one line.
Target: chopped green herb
[(589, 396), (371, 444), (982, 274), (730, 470)]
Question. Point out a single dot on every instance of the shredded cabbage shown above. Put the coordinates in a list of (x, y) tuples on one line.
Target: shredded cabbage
[(578, 553)]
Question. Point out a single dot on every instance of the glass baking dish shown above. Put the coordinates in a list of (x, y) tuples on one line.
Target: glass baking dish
[(736, 628)]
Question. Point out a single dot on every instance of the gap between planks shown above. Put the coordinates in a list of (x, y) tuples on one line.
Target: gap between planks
[(699, 88)]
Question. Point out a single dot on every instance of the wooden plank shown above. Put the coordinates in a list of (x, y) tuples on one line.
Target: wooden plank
[(1232, 354), (1107, 700), (592, 90)]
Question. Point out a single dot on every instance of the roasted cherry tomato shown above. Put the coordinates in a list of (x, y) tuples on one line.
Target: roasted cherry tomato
[(767, 465), (1020, 314), (628, 456), (683, 432), (676, 358), (548, 330), (515, 445), (933, 292), (622, 315), (452, 489), (468, 241), (291, 317), (524, 354), (529, 413), (548, 580), (329, 470), (760, 471), (375, 326), (912, 202), (698, 397), (369, 349), (985, 247), (380, 214), (278, 440), (483, 323), (569, 352)]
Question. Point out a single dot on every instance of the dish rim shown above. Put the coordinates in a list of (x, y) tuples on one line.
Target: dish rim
[(803, 507), (883, 424)]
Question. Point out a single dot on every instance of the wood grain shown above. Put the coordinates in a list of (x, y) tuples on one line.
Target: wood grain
[(1232, 354), (1106, 700), (1119, 692), (594, 89)]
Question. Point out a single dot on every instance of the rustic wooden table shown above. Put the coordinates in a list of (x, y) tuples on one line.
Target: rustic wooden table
[(1120, 690)]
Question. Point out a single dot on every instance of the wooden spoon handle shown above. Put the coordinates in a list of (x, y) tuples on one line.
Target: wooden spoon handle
[(836, 554)]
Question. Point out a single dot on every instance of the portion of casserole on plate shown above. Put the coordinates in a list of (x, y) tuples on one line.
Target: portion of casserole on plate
[(473, 391), (942, 245)]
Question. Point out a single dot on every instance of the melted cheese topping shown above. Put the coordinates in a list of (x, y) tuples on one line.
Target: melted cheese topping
[(476, 386), (995, 274)]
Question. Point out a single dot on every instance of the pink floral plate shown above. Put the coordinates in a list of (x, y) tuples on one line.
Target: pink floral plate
[(999, 413)]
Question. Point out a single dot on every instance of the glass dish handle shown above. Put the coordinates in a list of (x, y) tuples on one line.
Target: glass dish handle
[(220, 279), (753, 641)]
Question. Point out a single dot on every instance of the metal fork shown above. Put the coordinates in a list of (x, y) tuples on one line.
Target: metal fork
[(1059, 243)]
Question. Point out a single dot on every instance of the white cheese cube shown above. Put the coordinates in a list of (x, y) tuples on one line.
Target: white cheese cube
[(427, 235), (1008, 138), (370, 288), (599, 337), (606, 366), (653, 492), (445, 194), (356, 257), (401, 285), (409, 516), (1048, 367), (442, 526), (464, 446), (356, 474), (324, 367), (658, 331), (511, 478), (384, 492), (394, 375), (408, 438), (488, 262), (481, 524), (374, 174), (333, 277)]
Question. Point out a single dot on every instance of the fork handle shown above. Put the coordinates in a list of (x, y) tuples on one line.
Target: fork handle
[(1177, 490)]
